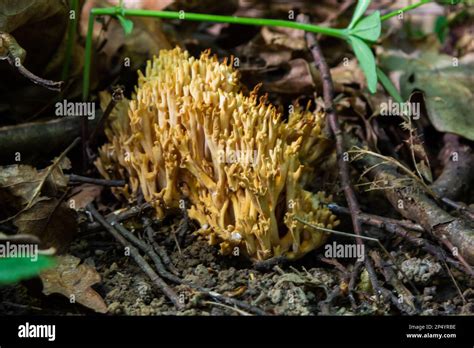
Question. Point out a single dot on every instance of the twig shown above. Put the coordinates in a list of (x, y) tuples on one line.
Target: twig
[(160, 250), (395, 226), (345, 234), (455, 282), (148, 249), (155, 278), (457, 255), (458, 172), (122, 231), (376, 220), (325, 305), (119, 216), (460, 207), (101, 182), (354, 274), (267, 265), (390, 160), (393, 280), (328, 93), (51, 85), (417, 206)]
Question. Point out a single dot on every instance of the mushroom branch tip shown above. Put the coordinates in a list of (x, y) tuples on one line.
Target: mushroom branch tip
[(191, 139)]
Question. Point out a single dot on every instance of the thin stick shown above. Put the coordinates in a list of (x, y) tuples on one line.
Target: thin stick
[(460, 207), (155, 278), (376, 220), (148, 249), (119, 216), (51, 85), (345, 234), (101, 182), (160, 250), (328, 92), (124, 233), (455, 282)]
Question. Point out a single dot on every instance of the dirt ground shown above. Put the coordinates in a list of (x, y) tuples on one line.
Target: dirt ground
[(301, 288)]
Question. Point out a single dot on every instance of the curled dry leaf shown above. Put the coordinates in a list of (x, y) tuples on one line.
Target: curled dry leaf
[(74, 280)]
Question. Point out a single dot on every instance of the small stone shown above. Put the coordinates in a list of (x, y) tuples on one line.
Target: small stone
[(275, 296)]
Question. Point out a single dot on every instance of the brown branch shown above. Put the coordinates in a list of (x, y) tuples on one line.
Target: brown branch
[(267, 265), (101, 182), (458, 171), (119, 216), (352, 282), (160, 250), (155, 278), (119, 231), (51, 85), (408, 300), (399, 227), (328, 93), (376, 220), (413, 203)]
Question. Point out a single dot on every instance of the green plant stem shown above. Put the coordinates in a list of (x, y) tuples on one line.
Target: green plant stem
[(71, 38), (404, 9), (114, 11)]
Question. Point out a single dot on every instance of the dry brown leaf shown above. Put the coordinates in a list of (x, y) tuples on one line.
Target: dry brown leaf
[(284, 37), (51, 221), (74, 280), (17, 185)]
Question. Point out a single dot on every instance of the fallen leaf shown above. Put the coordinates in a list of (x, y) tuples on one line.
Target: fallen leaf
[(17, 185), (284, 37), (74, 280), (51, 221)]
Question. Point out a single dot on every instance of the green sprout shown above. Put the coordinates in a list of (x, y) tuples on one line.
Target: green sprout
[(361, 33)]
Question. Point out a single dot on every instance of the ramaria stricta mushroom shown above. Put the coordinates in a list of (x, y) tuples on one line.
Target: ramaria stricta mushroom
[(190, 132)]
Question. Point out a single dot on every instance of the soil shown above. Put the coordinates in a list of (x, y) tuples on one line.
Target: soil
[(297, 289)]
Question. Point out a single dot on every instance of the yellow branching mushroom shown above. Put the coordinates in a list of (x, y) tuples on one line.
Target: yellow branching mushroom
[(190, 132)]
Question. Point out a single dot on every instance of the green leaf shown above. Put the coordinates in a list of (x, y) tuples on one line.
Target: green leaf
[(14, 269), (441, 28), (388, 85), (359, 12), (366, 61), (368, 28), (447, 86), (126, 23)]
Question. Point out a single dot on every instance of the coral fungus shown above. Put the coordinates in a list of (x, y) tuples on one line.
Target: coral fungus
[(189, 132)]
